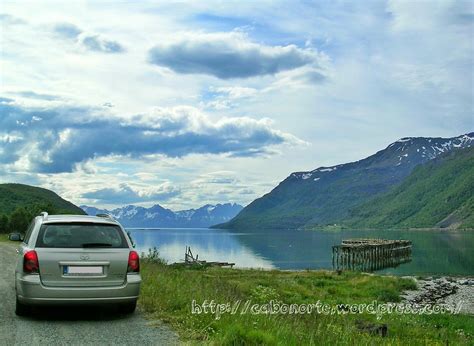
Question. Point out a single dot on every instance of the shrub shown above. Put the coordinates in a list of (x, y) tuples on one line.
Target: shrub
[(153, 256), (4, 224)]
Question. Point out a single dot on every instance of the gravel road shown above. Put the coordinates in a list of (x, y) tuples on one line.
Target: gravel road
[(71, 325)]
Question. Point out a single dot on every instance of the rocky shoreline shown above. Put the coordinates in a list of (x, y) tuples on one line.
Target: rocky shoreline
[(450, 291)]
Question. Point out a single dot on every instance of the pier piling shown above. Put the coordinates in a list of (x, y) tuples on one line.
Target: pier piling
[(370, 254)]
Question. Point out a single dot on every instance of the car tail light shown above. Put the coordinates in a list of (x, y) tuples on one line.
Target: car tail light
[(133, 262), (30, 262)]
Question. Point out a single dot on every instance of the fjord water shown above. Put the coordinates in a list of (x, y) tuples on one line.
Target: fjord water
[(434, 252)]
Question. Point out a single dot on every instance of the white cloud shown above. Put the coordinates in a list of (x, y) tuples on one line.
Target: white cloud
[(125, 193), (422, 16), (235, 92), (55, 139), (227, 55)]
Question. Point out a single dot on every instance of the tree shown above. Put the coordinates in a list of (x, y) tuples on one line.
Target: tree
[(3, 223), (19, 220), (35, 209)]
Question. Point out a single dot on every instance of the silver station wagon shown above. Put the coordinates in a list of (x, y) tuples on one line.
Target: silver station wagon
[(75, 259)]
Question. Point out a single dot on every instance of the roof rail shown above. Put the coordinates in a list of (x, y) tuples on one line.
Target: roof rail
[(45, 215), (107, 216)]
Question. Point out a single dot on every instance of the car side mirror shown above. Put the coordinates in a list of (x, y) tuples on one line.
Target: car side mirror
[(15, 237)]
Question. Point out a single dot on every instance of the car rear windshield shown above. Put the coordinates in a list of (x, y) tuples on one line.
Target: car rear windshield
[(81, 235)]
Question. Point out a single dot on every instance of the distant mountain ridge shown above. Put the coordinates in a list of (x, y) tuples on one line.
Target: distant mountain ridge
[(157, 216), (326, 195)]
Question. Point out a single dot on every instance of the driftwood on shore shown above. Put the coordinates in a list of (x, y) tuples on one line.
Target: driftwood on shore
[(191, 260), (370, 254)]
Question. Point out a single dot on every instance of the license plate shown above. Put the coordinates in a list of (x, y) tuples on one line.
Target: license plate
[(83, 270)]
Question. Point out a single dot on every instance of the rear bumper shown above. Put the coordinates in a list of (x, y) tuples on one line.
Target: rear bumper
[(30, 290)]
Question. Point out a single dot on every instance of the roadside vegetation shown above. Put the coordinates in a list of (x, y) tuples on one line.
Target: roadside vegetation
[(21, 217), (168, 291)]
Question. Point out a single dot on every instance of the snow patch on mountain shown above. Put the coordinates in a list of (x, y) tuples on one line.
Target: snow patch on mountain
[(412, 151)]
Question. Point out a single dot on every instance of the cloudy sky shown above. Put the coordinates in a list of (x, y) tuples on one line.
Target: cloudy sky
[(189, 103)]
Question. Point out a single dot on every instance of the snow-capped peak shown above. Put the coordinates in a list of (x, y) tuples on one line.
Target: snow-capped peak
[(405, 152), (157, 216)]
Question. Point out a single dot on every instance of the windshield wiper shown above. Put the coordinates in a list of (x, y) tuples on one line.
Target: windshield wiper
[(96, 245)]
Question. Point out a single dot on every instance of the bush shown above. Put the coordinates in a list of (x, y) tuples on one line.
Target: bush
[(153, 256), (19, 220), (21, 217)]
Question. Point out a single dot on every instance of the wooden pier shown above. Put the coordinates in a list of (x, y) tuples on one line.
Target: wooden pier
[(370, 254)]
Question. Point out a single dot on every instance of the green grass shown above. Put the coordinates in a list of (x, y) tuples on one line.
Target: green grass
[(3, 237), (167, 293)]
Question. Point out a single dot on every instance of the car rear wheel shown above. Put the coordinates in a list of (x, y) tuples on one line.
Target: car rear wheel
[(21, 309), (128, 308)]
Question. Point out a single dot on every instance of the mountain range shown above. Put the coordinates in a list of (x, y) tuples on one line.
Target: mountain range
[(157, 216), (415, 182), (332, 196)]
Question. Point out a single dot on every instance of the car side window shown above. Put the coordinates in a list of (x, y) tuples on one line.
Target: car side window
[(29, 231)]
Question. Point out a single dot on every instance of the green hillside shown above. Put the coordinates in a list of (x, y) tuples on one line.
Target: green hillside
[(20, 203), (19, 195), (439, 193)]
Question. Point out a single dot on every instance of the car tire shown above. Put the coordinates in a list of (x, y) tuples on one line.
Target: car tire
[(21, 309), (128, 308)]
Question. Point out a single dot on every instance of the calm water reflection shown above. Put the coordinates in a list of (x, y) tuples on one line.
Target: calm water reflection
[(434, 252)]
